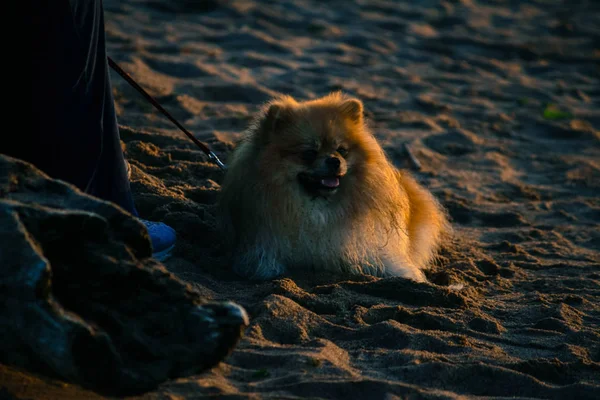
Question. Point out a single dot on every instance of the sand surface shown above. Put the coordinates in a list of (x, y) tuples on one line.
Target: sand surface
[(498, 101)]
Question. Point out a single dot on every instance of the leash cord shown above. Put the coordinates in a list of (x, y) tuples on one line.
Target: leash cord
[(211, 155)]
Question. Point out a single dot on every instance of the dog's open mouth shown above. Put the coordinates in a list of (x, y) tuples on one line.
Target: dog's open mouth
[(319, 185), (330, 183)]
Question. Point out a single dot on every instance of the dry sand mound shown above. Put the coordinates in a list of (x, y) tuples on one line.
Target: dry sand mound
[(498, 100)]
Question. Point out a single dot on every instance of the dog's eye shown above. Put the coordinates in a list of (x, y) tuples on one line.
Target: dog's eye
[(309, 155), (342, 151)]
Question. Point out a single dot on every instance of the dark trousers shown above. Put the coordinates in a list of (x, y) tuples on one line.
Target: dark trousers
[(74, 135)]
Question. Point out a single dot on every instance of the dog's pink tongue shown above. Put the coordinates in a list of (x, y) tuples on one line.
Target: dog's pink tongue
[(330, 182)]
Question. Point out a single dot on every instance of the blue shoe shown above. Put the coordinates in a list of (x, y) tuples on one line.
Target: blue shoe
[(163, 239)]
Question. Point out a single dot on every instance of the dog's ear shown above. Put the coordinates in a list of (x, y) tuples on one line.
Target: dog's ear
[(277, 116), (352, 109)]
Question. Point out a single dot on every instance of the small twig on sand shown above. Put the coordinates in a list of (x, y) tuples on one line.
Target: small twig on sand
[(413, 160)]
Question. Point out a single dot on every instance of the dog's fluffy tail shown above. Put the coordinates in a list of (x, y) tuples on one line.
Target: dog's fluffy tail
[(427, 225)]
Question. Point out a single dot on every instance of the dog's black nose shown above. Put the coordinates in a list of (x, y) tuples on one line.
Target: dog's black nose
[(333, 162)]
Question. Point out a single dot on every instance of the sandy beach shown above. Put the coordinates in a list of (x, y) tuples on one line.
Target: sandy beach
[(498, 101)]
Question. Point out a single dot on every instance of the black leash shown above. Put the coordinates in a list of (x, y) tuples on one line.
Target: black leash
[(212, 156)]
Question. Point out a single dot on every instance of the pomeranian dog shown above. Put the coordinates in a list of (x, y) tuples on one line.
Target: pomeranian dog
[(309, 189)]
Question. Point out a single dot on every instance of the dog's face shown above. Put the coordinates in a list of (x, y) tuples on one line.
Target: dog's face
[(315, 145), (325, 167)]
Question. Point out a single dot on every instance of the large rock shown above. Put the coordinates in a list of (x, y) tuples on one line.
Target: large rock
[(81, 299)]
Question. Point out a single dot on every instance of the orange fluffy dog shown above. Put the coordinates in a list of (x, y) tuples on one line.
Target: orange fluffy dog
[(309, 188)]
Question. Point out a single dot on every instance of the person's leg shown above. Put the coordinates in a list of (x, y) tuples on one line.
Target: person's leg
[(111, 180), (75, 135)]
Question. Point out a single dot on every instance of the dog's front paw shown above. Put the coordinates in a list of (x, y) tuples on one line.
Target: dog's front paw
[(258, 265), (404, 270), (411, 273)]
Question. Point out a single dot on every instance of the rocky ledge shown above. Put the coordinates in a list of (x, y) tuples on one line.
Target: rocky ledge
[(81, 298)]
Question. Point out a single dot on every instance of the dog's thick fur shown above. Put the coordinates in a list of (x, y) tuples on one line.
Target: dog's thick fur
[(377, 220)]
